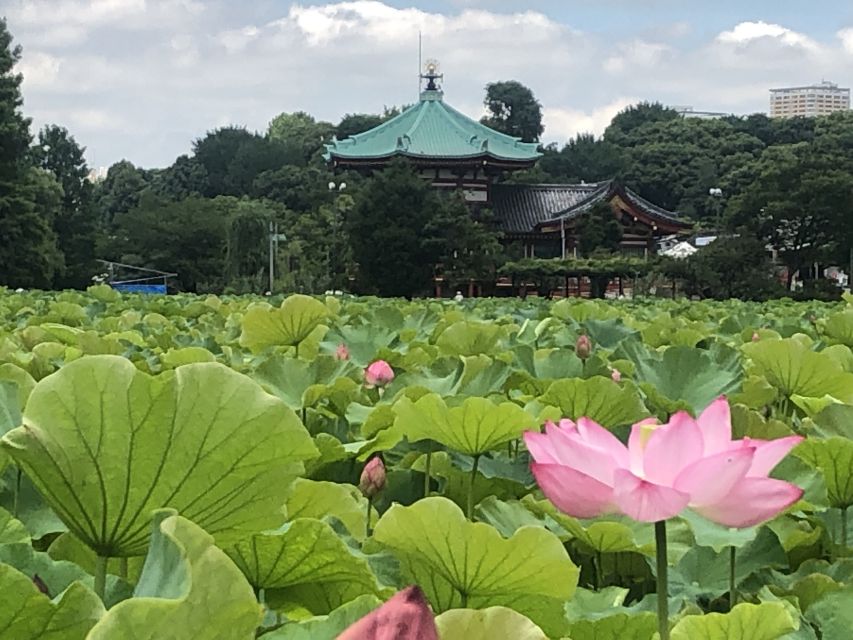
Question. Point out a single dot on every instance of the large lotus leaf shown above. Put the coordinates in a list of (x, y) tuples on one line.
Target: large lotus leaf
[(716, 536), (68, 548), (476, 426), (834, 459), (12, 530), (839, 327), (290, 378), (265, 326), (107, 444), (795, 369), (766, 621), (621, 626), (755, 393), (832, 614), (703, 571), (174, 358), (462, 564), (751, 424), (597, 398), (487, 624), (508, 516), (188, 589), (482, 376), (326, 627), (686, 374), (10, 413), (842, 355), (23, 380), (312, 499), (301, 559), (470, 338), (608, 333), (362, 341), (28, 614)]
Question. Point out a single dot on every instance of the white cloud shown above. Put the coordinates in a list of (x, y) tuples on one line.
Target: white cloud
[(636, 53), (748, 32), (39, 69), (846, 36), (562, 124)]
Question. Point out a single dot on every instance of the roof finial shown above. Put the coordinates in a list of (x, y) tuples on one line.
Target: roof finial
[(431, 74)]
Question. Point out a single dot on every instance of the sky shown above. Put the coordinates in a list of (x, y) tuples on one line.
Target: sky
[(141, 79)]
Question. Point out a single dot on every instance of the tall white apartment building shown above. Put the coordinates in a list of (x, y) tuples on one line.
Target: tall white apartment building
[(814, 100)]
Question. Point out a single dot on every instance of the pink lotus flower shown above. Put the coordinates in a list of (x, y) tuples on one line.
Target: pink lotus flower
[(755, 336), (406, 616), (587, 472), (372, 479), (583, 347), (379, 373), (615, 375), (342, 353)]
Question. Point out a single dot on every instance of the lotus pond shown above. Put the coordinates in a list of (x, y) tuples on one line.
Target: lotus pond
[(233, 467)]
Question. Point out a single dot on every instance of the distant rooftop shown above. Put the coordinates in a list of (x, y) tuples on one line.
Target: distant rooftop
[(823, 84)]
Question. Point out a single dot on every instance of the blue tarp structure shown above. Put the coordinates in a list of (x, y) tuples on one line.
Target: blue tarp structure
[(140, 288)]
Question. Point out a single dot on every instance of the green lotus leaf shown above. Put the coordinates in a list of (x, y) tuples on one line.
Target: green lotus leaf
[(107, 444), (68, 548), (12, 530), (834, 459), (290, 379), (766, 621), (839, 327), (469, 565), (795, 369), (10, 413), (476, 426), (842, 355), (174, 358), (622, 626), (487, 624), (23, 380), (32, 510), (188, 589), (290, 324), (704, 571), (716, 536), (312, 499), (835, 420), (832, 614), (813, 588), (686, 374), (28, 614), (587, 604), (326, 627), (597, 398), (301, 560), (362, 341), (508, 516), (813, 406), (755, 393), (608, 333), (470, 338)]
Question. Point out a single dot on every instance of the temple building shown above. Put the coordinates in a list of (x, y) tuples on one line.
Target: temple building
[(454, 151)]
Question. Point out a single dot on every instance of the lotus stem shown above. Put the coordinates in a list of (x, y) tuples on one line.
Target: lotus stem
[(844, 527), (122, 567), (367, 530), (732, 585), (426, 473), (596, 563), (663, 588), (18, 478), (470, 510), (101, 576)]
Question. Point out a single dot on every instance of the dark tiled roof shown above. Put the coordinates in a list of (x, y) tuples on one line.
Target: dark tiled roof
[(518, 208)]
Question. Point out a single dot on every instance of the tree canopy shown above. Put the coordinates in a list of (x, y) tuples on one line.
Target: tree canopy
[(514, 110)]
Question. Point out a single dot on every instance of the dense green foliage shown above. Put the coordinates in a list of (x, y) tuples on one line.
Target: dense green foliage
[(188, 466), (514, 110)]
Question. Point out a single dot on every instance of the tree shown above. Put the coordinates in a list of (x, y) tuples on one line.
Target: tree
[(467, 245), (598, 229), (28, 196), (636, 116), (584, 158), (353, 123), (386, 228), (75, 224), (514, 110), (300, 189), (800, 200), (247, 251), (120, 191), (301, 133), (185, 178)]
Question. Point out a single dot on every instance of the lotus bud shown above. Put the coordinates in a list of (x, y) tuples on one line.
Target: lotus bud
[(406, 616), (372, 480), (755, 336), (40, 585), (615, 375), (583, 347), (378, 373), (342, 353)]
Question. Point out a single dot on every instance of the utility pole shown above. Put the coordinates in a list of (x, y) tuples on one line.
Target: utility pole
[(563, 237)]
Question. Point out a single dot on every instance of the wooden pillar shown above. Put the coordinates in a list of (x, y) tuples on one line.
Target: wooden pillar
[(470, 287)]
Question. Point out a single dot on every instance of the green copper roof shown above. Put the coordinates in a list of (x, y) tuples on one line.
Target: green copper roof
[(432, 129)]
